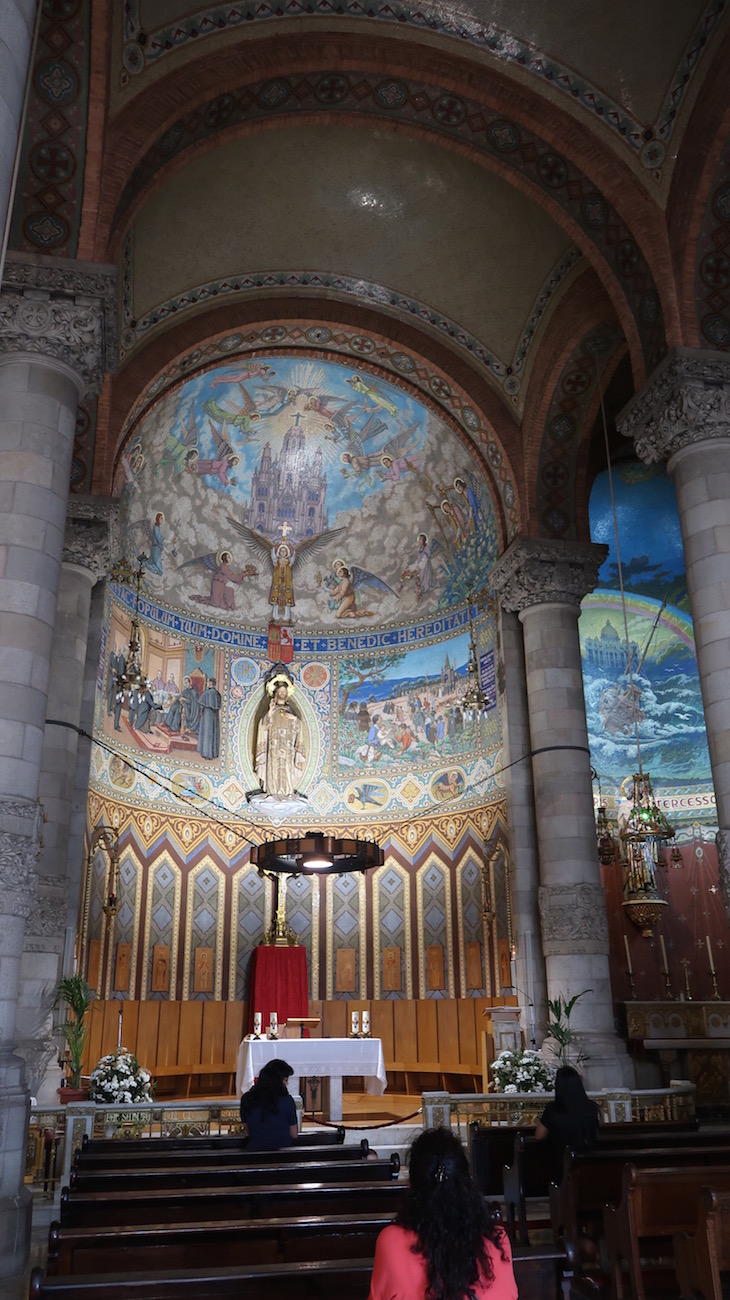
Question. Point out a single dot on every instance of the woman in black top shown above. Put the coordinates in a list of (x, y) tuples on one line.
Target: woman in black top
[(268, 1111), (569, 1121)]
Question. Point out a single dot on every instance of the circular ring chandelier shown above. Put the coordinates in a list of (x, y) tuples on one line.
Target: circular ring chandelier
[(316, 854)]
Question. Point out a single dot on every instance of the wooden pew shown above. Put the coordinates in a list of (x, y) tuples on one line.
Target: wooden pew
[(231, 1243), (656, 1203), (190, 1204), (303, 1280), (702, 1256), (158, 1177), (540, 1273), (527, 1175), (593, 1179), (159, 1153), (314, 1137)]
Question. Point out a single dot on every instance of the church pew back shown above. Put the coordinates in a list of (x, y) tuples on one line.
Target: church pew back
[(188, 1205), (655, 1202), (702, 1257), (160, 1153), (156, 1176)]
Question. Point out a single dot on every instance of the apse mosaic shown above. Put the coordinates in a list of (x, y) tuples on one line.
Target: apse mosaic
[(305, 491), (384, 730), (660, 692)]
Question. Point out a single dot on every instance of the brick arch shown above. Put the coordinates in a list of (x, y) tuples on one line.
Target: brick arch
[(563, 388), (560, 166), (497, 452)]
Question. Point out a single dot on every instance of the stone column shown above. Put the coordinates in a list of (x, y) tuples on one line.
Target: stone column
[(525, 880), (52, 347), (86, 560), (16, 38), (682, 415), (544, 581)]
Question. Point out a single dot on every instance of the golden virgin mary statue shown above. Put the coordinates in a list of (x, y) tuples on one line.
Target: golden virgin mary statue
[(280, 757)]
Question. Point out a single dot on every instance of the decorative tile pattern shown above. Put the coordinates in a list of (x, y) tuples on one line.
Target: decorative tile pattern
[(248, 922), (465, 120), (143, 49), (712, 275), (163, 924), (562, 436), (47, 211)]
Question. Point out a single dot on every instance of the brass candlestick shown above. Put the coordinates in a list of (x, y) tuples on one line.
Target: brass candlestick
[(688, 992), (632, 985), (715, 994), (667, 986)]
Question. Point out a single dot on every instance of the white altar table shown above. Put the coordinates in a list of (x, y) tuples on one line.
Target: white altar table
[(325, 1058)]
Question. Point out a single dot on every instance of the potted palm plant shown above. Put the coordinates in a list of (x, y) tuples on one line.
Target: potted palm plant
[(78, 996)]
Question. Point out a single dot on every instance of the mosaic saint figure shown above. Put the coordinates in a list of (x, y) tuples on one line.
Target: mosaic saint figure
[(209, 735), (280, 757)]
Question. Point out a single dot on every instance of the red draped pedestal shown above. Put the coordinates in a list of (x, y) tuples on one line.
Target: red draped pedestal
[(278, 983)]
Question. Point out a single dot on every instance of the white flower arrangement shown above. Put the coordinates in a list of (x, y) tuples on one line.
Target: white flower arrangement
[(119, 1080), (523, 1071)]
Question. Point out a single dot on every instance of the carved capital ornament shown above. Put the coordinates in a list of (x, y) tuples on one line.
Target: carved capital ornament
[(543, 570), (685, 402)]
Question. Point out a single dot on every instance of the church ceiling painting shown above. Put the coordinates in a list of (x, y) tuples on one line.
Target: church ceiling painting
[(291, 507), (661, 694), (306, 491)]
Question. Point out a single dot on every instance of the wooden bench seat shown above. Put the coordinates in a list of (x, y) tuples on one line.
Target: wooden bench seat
[(189, 1204), (230, 1243), (189, 1072), (219, 1142), (412, 1070), (703, 1256), (157, 1176), (594, 1179), (656, 1202), (542, 1273), (160, 1152), (303, 1280)]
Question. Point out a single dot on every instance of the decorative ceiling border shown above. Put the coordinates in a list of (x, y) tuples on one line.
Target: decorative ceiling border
[(47, 212), (143, 49), (561, 438), (712, 271), (508, 377), (439, 111), (322, 341)]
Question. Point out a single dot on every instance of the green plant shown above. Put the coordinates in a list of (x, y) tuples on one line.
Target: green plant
[(78, 996), (558, 1028)]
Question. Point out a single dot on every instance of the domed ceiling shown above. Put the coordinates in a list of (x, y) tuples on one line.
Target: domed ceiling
[(304, 491)]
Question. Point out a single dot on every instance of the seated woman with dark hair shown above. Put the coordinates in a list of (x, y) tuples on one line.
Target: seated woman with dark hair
[(268, 1111), (444, 1244), (570, 1121)]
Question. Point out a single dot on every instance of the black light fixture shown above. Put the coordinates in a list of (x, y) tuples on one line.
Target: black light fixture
[(316, 854)]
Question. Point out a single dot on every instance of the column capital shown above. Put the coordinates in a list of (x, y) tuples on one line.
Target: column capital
[(573, 919), (61, 310), (542, 570), (685, 401), (91, 538), (20, 844)]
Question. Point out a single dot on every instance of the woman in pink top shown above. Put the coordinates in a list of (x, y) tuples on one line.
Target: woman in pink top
[(444, 1244)]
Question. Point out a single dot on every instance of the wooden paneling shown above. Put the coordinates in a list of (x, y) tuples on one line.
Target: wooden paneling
[(316, 1009), (95, 1021), (169, 1033), (236, 1027), (448, 1033), (381, 1026), (468, 1042), (428, 1042), (130, 1025), (335, 1022), (191, 1028), (147, 1030), (405, 1031), (214, 1032), (110, 1032)]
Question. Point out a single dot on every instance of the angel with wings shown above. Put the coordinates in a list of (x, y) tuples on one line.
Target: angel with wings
[(153, 537), (345, 582), (219, 564), (225, 459), (241, 417), (360, 464), (284, 556), (181, 449)]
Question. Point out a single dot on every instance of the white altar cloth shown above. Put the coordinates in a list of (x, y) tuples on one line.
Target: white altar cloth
[(328, 1058)]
